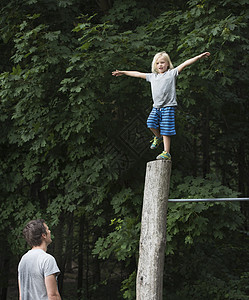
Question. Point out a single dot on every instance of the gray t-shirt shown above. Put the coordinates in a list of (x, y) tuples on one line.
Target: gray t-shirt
[(163, 88), (34, 266)]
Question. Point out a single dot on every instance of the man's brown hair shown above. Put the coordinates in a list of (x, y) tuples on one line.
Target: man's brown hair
[(33, 231)]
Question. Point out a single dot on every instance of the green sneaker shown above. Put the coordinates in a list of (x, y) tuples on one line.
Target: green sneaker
[(156, 142), (164, 155)]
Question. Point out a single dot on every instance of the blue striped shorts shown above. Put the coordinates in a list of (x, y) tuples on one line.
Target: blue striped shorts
[(164, 119)]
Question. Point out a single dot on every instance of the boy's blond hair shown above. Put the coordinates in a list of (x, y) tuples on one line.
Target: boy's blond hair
[(164, 55)]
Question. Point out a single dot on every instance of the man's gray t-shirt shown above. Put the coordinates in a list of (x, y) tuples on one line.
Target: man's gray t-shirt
[(163, 88), (34, 266)]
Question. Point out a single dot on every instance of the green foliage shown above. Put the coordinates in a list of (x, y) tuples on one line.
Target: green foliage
[(128, 287), (62, 117), (122, 242), (200, 221), (209, 270), (202, 242), (219, 289)]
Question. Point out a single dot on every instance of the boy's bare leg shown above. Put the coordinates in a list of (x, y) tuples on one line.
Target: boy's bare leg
[(156, 132), (166, 142)]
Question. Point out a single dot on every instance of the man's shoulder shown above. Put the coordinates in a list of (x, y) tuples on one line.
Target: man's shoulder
[(45, 256), (37, 254)]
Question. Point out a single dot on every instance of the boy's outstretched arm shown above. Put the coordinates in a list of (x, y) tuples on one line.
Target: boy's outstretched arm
[(129, 73), (191, 61)]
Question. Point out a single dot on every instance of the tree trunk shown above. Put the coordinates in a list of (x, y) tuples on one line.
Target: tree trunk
[(153, 231), (68, 245), (87, 260), (206, 143), (104, 5), (80, 259), (58, 245), (4, 275), (242, 178)]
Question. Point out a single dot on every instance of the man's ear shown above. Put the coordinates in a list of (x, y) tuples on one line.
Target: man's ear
[(44, 235)]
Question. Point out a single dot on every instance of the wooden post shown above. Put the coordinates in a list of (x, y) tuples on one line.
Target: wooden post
[(153, 231)]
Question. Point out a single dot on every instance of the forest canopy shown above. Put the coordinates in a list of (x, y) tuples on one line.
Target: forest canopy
[(74, 143)]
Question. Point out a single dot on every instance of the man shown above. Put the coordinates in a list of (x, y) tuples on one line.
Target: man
[(37, 270)]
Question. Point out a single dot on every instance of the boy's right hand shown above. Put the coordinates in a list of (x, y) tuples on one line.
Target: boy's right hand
[(117, 73)]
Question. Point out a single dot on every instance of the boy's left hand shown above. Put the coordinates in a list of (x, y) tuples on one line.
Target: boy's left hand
[(205, 54)]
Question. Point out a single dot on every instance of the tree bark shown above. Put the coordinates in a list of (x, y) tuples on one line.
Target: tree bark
[(68, 244), (104, 5), (80, 259), (206, 142), (153, 231)]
